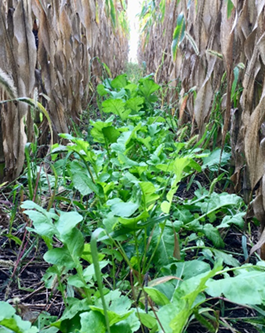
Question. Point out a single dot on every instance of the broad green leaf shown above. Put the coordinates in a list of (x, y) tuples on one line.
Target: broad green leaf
[(178, 167), (6, 310), (92, 322), (186, 270), (157, 119), (236, 219), (17, 325), (118, 95), (148, 87), (166, 315), (81, 180), (185, 298), (228, 259), (135, 103), (217, 201), (43, 224), (166, 245), (131, 87), (246, 288), (59, 257), (83, 183), (165, 167), (148, 320), (122, 326), (11, 321), (115, 295), (156, 296), (113, 316), (145, 141), (50, 277), (97, 130), (28, 204), (212, 161), (67, 221), (213, 235), (123, 209), (183, 214), (119, 82), (74, 280), (165, 207), (196, 166), (73, 309), (56, 148), (102, 91), (148, 190), (122, 141), (119, 304), (80, 145), (67, 136), (180, 164), (125, 162), (50, 329), (75, 243), (111, 134), (115, 106), (128, 325), (139, 169), (110, 221), (178, 35), (131, 222)]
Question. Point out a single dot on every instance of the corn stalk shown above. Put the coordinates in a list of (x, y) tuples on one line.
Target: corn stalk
[(71, 37), (17, 61)]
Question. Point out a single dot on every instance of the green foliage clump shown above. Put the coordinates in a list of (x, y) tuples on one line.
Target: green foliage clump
[(129, 250)]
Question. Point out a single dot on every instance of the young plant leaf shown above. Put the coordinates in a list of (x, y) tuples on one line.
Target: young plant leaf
[(156, 296), (175, 315), (10, 322), (111, 134), (147, 88), (116, 106), (92, 322), (246, 288), (135, 104), (122, 209), (97, 129), (60, 257), (119, 82), (131, 222), (67, 221)]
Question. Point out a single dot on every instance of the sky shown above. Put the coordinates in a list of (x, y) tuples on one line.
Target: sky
[(134, 7)]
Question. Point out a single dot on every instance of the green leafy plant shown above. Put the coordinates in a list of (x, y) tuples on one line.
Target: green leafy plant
[(126, 249), (11, 322)]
